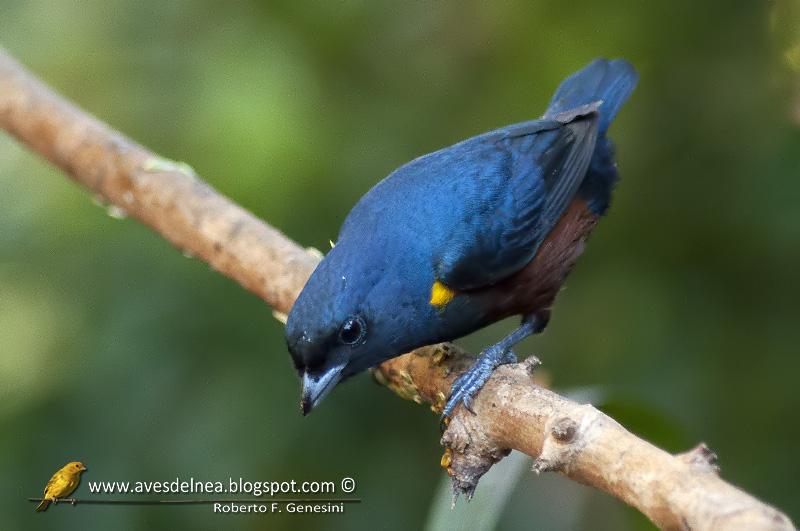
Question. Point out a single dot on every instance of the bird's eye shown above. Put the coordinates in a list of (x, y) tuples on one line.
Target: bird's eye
[(352, 331)]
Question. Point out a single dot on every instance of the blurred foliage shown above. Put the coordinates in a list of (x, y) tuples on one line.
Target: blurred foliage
[(118, 351)]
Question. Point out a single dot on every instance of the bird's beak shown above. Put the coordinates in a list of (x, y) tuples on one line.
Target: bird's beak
[(316, 386), (83, 467)]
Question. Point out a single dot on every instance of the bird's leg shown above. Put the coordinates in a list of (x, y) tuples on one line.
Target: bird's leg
[(466, 386)]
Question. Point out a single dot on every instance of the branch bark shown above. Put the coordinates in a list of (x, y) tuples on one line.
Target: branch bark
[(675, 491)]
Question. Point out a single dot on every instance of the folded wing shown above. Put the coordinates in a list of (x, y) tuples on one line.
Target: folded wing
[(543, 164)]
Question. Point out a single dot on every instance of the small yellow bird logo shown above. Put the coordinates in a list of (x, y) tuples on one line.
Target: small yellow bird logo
[(62, 484)]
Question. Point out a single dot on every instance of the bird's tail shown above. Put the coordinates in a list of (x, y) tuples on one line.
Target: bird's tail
[(609, 81), (42, 505)]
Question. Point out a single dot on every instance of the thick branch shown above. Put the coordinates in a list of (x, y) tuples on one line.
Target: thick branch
[(166, 196), (675, 492)]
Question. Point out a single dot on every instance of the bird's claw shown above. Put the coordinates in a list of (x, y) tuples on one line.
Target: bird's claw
[(466, 386), (467, 401)]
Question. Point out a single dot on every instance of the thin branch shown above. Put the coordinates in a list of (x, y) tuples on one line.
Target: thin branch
[(675, 492)]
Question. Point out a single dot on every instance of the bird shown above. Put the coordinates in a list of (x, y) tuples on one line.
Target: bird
[(62, 484), (460, 238)]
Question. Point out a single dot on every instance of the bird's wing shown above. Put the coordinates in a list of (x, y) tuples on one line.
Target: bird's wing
[(52, 485), (543, 164)]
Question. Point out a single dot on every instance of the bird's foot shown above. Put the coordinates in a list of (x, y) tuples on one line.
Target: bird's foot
[(466, 386)]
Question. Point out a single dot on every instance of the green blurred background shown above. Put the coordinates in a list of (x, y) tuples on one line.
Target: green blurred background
[(681, 319)]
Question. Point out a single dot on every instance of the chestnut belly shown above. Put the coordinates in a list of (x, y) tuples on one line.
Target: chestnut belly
[(534, 288)]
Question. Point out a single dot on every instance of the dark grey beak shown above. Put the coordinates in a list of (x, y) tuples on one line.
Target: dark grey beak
[(316, 386)]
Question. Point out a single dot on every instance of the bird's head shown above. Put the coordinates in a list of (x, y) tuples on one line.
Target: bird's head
[(352, 314), (75, 466)]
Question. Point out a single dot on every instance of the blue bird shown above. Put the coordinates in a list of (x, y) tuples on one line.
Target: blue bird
[(461, 238)]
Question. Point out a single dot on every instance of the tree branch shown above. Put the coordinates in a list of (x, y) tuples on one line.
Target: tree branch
[(675, 492)]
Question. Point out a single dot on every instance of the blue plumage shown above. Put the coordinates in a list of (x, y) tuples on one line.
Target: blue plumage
[(462, 237)]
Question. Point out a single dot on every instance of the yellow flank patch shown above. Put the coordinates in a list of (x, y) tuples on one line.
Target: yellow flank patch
[(441, 294)]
